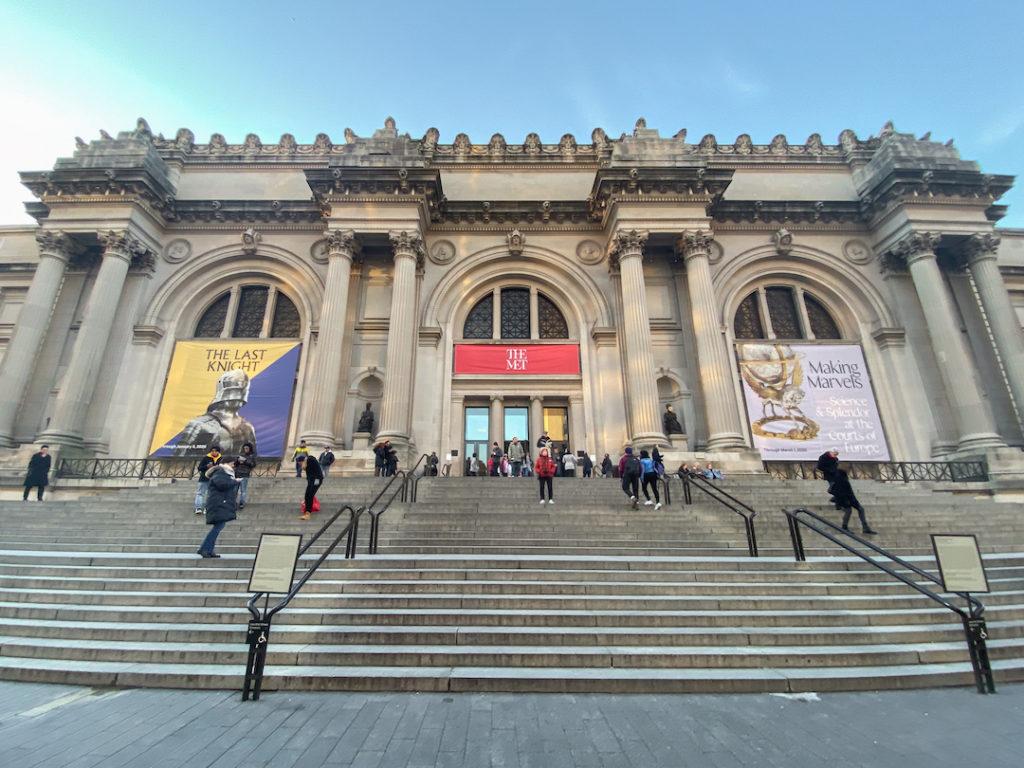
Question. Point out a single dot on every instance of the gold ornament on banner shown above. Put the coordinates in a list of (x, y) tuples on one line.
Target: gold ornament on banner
[(774, 373)]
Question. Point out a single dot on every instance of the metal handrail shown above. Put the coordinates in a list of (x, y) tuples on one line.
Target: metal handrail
[(887, 471), (744, 510), (975, 630), (408, 483), (146, 469)]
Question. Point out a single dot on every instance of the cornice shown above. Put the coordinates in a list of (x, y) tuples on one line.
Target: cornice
[(786, 212)]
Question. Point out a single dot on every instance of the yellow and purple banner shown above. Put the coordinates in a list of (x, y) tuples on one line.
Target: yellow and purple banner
[(226, 393)]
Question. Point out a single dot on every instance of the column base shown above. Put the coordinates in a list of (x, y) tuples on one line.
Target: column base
[(68, 441), (318, 438), (7, 441), (727, 442), (649, 440), (979, 443), (942, 449)]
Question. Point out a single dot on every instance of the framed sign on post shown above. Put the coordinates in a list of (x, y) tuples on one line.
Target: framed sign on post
[(273, 570), (960, 563)]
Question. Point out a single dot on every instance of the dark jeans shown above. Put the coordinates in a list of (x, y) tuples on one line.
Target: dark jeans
[(848, 511), (631, 485), (651, 481), (211, 538), (546, 481), (517, 468), (39, 492), (311, 488), (299, 464)]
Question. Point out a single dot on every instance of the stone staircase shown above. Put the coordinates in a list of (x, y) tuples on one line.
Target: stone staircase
[(477, 587)]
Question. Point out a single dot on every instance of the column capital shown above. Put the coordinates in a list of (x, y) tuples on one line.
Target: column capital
[(536, 398), (56, 244), (408, 243), (916, 246), (342, 243), (692, 244), (497, 398), (626, 243), (122, 244), (981, 246)]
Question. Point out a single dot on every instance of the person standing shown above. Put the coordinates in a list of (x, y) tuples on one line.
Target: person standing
[(299, 457), (630, 471), (203, 482), (495, 463), (474, 466), (390, 459), (430, 468), (568, 464), (515, 455), (326, 459), (659, 462), (845, 499), (649, 476), (314, 479), (544, 468), (544, 441), (606, 466), (588, 465), (244, 465), (38, 474), (378, 460), (221, 506)]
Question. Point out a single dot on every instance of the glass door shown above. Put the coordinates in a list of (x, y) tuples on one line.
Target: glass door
[(517, 424), (556, 424), (477, 426)]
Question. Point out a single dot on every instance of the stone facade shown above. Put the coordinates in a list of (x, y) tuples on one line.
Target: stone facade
[(646, 247)]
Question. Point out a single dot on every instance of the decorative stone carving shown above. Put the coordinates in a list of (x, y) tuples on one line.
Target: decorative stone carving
[(462, 145), (627, 242), (407, 243), (318, 251), (814, 145), (252, 143), (695, 243), (532, 145), (287, 145), (322, 144), (600, 139), (177, 250), (121, 242), (515, 241), (912, 247), (342, 241), (779, 145), (589, 252), (218, 144), (442, 252), (429, 141), (981, 245), (743, 145), (708, 144), (497, 145), (567, 144), (857, 251), (184, 140), (782, 239), (250, 241), (715, 252), (56, 243)]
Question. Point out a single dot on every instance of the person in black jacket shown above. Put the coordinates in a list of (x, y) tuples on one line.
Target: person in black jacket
[(606, 466), (245, 463), (844, 499), (314, 479), (828, 465), (220, 505), (326, 459), (203, 482), (38, 475)]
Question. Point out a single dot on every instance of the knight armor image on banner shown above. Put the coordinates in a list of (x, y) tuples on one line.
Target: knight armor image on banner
[(226, 393)]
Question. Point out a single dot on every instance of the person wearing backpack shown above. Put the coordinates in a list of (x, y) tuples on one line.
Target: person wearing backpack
[(649, 477), (630, 470), (545, 469)]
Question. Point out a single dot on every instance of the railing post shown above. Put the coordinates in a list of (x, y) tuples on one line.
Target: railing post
[(751, 536), (976, 633), (687, 494), (257, 636)]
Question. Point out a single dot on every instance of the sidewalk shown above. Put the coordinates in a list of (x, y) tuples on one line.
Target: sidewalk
[(51, 726)]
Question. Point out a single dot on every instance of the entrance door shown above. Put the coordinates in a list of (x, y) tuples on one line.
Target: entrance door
[(556, 424), (517, 424), (477, 425)]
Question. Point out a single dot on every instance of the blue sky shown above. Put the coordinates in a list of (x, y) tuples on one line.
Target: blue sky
[(71, 68)]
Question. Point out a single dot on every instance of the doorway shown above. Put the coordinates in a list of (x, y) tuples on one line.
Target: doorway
[(556, 424), (477, 425), (517, 424)]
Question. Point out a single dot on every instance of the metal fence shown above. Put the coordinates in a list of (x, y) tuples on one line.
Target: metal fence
[(146, 469), (887, 472)]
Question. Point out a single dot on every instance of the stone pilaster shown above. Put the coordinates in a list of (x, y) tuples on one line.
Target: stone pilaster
[(577, 424), (120, 249), (724, 429), (396, 406), (1002, 319), (325, 384), (627, 246), (536, 421), (55, 249), (974, 422), (496, 423)]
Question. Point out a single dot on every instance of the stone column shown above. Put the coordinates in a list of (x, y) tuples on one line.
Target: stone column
[(457, 435), (55, 248), (577, 427), (396, 405), (1002, 319), (76, 389), (713, 359), (628, 247), (325, 385), (973, 418), (536, 421), (496, 432)]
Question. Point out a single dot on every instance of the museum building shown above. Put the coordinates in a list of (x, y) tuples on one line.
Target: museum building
[(781, 298)]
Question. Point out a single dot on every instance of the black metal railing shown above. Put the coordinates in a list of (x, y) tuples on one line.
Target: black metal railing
[(972, 618), (405, 488), (887, 472), (146, 469), (744, 510)]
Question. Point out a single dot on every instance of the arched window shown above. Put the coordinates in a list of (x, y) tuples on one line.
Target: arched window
[(783, 312), (517, 306), (250, 312)]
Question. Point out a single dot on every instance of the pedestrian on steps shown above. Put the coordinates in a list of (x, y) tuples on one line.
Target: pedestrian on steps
[(630, 470), (844, 499), (314, 479), (299, 457), (38, 474), (203, 482), (606, 466), (221, 506), (650, 479), (828, 465), (494, 465), (244, 465), (516, 452), (326, 459), (568, 464), (659, 462), (544, 468), (588, 465)]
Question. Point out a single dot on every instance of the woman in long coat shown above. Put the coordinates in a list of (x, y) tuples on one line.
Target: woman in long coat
[(221, 505)]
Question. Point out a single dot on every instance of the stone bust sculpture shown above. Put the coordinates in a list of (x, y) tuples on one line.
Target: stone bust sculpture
[(366, 420), (670, 422)]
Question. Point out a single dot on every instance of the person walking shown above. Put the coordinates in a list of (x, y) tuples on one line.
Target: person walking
[(378, 460), (203, 482), (515, 455), (606, 466), (588, 465), (845, 499), (544, 468), (494, 464), (430, 468), (630, 470), (38, 474), (828, 465), (659, 462), (221, 505), (390, 459), (245, 463), (326, 459), (314, 479), (568, 464), (649, 477), (299, 457)]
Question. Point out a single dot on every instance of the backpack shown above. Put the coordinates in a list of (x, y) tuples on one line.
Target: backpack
[(633, 466)]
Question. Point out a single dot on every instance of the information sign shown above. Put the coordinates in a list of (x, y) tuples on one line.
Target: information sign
[(960, 562), (273, 570)]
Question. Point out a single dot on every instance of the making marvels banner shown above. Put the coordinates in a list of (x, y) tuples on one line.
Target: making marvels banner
[(226, 393), (517, 359), (803, 399)]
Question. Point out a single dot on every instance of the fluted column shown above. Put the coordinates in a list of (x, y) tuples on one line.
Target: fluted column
[(55, 248), (974, 421), (325, 384), (396, 406), (536, 421), (1002, 319), (628, 247), (76, 389), (577, 425), (722, 410)]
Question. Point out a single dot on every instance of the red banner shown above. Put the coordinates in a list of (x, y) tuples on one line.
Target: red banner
[(518, 359)]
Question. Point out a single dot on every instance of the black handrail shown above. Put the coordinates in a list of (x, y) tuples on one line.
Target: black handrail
[(975, 630), (744, 510), (975, 471), (408, 483)]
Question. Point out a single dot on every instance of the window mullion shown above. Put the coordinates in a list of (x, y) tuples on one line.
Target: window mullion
[(229, 319), (766, 317), (496, 314), (801, 311), (268, 315), (534, 314)]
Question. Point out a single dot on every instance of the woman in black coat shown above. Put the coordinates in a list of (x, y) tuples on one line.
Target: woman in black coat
[(221, 506), (845, 499), (38, 475)]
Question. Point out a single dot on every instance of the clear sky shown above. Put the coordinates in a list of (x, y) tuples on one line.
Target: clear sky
[(72, 68)]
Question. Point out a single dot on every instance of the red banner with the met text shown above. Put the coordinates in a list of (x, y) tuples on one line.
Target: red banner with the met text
[(518, 359)]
